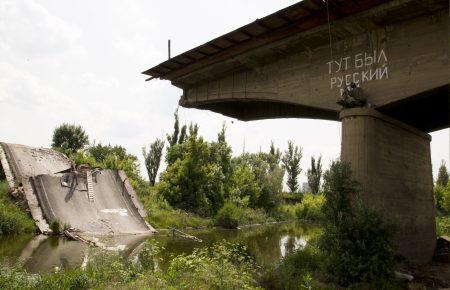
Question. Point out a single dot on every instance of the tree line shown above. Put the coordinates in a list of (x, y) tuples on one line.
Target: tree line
[(201, 176)]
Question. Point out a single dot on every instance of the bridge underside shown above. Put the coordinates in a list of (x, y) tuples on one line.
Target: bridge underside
[(428, 111), (250, 110)]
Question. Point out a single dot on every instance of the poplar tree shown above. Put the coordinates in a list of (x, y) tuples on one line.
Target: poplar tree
[(153, 159), (442, 179), (291, 161), (314, 175)]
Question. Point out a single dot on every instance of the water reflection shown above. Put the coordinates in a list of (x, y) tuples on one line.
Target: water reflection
[(268, 244)]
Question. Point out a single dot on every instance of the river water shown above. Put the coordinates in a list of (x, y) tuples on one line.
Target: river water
[(267, 243)]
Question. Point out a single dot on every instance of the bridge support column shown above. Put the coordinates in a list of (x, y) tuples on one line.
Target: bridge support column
[(392, 162)]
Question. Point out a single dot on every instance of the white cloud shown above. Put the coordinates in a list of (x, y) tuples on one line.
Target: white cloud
[(28, 30)]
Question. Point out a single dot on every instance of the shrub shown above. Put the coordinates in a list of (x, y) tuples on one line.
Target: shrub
[(357, 244), (195, 181), (228, 216), (231, 216), (12, 219), (295, 270), (55, 226), (443, 226), (222, 266), (310, 207)]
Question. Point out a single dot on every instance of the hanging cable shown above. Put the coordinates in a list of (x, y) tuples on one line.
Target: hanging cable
[(329, 30)]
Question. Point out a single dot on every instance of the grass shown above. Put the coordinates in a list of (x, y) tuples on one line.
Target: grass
[(162, 216), (12, 219), (443, 225)]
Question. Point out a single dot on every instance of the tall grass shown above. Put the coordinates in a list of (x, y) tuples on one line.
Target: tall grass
[(161, 215), (12, 219)]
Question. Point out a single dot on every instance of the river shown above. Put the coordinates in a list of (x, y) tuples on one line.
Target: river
[(268, 244)]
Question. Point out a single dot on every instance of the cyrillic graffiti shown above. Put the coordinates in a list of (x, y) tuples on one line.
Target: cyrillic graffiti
[(368, 67)]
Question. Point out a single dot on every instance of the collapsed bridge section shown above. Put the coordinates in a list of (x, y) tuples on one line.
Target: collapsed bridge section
[(98, 202)]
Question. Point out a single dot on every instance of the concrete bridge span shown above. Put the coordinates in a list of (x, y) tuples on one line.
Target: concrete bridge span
[(103, 204), (296, 62)]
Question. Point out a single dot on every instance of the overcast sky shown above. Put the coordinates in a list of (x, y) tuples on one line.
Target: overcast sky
[(80, 62)]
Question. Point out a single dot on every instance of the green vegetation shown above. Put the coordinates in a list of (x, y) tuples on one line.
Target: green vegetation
[(153, 159), (310, 208), (314, 175), (357, 244), (55, 226), (221, 266), (69, 138), (111, 157), (12, 219), (231, 216), (295, 271), (442, 178), (291, 161), (443, 226), (161, 215), (195, 181)]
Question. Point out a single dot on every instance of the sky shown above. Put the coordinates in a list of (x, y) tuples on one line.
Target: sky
[(80, 62)]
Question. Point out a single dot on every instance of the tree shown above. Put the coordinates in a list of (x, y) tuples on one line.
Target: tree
[(291, 161), (194, 181), (100, 152), (183, 135), (442, 179), (153, 159), (357, 244), (269, 180), (274, 155), (221, 135), (314, 175), (173, 139), (69, 138)]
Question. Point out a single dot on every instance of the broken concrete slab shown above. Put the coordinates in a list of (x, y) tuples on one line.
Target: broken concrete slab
[(112, 209)]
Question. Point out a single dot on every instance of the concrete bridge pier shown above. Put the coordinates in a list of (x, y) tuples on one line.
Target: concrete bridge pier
[(392, 162)]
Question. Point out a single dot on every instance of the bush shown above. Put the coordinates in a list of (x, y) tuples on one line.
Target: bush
[(231, 216), (12, 219), (161, 215), (228, 216), (295, 270), (55, 226), (310, 207), (222, 266), (268, 175), (195, 182), (443, 226), (357, 244)]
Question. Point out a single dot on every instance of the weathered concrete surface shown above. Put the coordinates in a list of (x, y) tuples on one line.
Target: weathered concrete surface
[(115, 208), (392, 162), (20, 162), (111, 212)]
